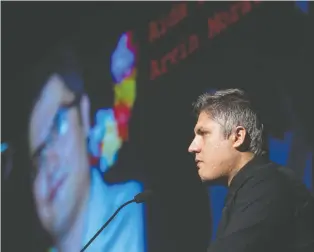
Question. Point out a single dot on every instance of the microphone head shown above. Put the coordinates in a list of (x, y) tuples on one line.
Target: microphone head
[(143, 196)]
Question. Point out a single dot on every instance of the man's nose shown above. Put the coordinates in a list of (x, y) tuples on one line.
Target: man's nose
[(50, 162), (194, 147)]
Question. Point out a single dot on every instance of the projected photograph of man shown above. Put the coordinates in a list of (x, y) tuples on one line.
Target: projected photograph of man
[(69, 156)]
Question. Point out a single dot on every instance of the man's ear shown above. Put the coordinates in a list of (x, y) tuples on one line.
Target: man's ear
[(85, 114), (239, 137)]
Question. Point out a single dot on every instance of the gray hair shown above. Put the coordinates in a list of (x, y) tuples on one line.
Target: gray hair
[(232, 108)]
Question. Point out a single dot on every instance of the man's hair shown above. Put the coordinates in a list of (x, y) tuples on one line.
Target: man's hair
[(232, 108), (64, 61)]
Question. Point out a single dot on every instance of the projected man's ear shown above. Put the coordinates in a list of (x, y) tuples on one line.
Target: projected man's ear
[(85, 114)]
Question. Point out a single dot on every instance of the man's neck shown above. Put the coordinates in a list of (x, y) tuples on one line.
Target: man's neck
[(244, 158), (72, 240)]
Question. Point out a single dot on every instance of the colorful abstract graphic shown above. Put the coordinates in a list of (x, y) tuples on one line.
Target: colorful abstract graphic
[(111, 124)]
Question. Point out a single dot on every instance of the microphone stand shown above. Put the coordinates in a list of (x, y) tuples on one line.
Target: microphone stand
[(106, 224)]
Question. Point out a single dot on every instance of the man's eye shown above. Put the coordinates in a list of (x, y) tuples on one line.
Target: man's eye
[(201, 133), (204, 133), (60, 125)]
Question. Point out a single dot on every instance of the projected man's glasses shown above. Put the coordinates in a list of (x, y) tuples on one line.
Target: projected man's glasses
[(59, 128)]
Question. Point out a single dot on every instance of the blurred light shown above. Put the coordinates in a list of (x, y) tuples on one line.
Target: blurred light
[(4, 147), (303, 6)]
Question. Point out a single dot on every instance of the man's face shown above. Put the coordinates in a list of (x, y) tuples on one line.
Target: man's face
[(57, 137), (214, 154)]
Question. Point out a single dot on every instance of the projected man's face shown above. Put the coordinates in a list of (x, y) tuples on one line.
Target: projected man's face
[(57, 139), (214, 154)]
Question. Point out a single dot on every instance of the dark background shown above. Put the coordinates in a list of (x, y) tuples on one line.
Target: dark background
[(267, 53)]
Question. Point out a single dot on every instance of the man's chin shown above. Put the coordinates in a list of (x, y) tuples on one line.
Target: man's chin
[(205, 177), (205, 180), (208, 181), (58, 229)]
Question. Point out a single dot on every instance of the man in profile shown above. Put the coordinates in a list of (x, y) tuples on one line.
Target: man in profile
[(71, 198), (267, 208)]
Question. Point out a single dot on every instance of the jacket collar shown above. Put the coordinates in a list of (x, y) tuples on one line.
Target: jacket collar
[(244, 174)]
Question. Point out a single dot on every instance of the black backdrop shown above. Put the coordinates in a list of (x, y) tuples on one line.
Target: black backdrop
[(264, 53)]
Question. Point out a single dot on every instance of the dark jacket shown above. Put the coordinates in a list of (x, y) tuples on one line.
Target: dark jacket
[(266, 209)]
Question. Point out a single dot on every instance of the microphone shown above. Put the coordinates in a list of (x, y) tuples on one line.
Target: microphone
[(143, 196), (139, 198)]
